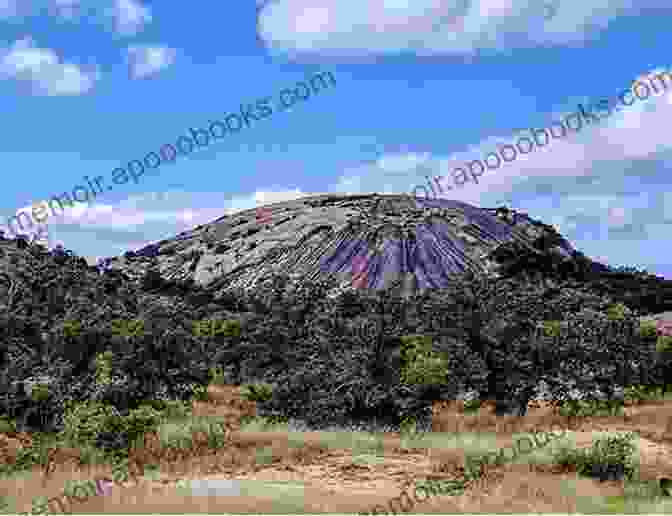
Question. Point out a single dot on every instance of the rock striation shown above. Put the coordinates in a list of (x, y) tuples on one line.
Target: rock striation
[(377, 240)]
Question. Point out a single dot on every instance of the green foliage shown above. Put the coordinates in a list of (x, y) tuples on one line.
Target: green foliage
[(552, 328), (84, 421), (175, 409), (200, 392), (408, 427), (421, 365), (609, 451), (472, 405), (72, 328), (141, 420), (7, 425), (169, 409), (427, 370), (232, 328), (664, 343), (104, 368), (591, 407), (639, 393), (617, 312), (412, 345), (217, 375), (648, 329), (28, 457), (39, 392), (4, 505), (257, 392)]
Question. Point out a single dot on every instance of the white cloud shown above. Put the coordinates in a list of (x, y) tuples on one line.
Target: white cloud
[(9, 8), (437, 26), (130, 16), (43, 71), (635, 132), (68, 9), (145, 61), (153, 213)]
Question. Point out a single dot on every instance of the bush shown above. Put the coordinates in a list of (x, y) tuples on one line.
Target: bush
[(141, 420), (170, 409), (408, 427), (617, 312), (472, 405), (584, 408), (259, 392), (39, 392), (664, 344), (27, 457), (84, 421), (217, 375), (639, 393), (425, 370), (104, 368), (609, 458), (420, 365), (200, 393), (7, 425), (552, 328), (648, 329)]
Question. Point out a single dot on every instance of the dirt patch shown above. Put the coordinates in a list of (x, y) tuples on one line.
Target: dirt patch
[(310, 472)]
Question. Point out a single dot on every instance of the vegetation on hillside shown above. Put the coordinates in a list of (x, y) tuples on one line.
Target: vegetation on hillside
[(84, 343)]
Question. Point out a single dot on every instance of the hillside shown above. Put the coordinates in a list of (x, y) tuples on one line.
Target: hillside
[(476, 282), (419, 245)]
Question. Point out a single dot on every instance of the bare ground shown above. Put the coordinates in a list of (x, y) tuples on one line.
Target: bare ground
[(324, 474)]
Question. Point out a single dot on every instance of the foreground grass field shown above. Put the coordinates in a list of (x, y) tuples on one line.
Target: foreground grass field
[(282, 471)]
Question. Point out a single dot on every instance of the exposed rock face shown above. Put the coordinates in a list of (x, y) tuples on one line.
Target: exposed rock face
[(371, 241)]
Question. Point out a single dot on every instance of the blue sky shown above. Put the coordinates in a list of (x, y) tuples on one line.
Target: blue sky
[(420, 88)]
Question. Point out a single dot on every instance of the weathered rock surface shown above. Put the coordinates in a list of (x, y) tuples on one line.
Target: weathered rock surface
[(382, 240)]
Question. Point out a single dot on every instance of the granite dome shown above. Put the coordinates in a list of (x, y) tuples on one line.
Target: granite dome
[(370, 241)]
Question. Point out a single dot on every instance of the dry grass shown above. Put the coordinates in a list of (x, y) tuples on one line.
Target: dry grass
[(333, 475)]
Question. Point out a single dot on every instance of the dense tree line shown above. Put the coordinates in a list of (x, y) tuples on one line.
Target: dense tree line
[(330, 359)]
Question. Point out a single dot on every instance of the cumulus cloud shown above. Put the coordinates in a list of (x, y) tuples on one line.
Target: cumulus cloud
[(130, 16), (580, 183), (145, 61), (42, 70), (68, 9), (433, 27), (152, 215), (630, 133), (9, 8)]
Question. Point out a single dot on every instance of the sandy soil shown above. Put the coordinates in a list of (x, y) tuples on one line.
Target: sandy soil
[(322, 473)]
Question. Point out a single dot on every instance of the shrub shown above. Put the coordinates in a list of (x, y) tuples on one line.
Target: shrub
[(72, 328), (217, 375), (141, 420), (639, 393), (408, 427), (552, 328), (472, 405), (7, 425), (84, 421), (29, 456), (591, 407), (664, 343), (104, 368), (421, 365), (648, 329), (609, 458), (427, 370), (617, 312), (259, 392), (39, 392), (200, 393), (174, 409)]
